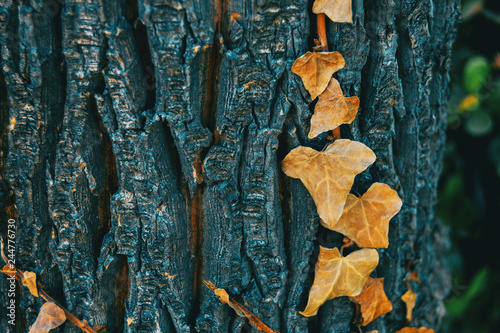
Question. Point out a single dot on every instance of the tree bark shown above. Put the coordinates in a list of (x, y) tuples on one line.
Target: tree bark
[(140, 156)]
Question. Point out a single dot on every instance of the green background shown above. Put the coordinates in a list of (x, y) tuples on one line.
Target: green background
[(469, 191)]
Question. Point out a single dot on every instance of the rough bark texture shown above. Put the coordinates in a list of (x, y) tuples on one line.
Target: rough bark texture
[(141, 146)]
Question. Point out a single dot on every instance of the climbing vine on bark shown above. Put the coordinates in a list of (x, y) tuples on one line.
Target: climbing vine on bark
[(329, 175)]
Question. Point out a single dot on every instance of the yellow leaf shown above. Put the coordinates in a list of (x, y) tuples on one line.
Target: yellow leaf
[(29, 280), (329, 175), (337, 276), (224, 298), (415, 330), (332, 110), (409, 298), (49, 317), (239, 309), (365, 220), (316, 70), (336, 10), (12, 123), (372, 300), (470, 102), (222, 294)]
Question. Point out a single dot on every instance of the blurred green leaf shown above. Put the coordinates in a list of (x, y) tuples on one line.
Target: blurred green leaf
[(479, 124), (476, 71), (470, 8), (457, 306)]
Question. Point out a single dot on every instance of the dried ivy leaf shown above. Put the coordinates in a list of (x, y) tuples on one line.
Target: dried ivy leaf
[(336, 10), (415, 330), (10, 270), (29, 280), (49, 317), (372, 300), (332, 110), (224, 298), (222, 294), (409, 298), (316, 70), (365, 220), (329, 175), (413, 276), (336, 276), (240, 309)]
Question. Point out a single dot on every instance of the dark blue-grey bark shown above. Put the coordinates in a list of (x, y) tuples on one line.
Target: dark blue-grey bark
[(141, 143)]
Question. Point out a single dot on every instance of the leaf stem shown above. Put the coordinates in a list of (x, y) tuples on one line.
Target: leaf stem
[(320, 23), (350, 243), (323, 47), (336, 133)]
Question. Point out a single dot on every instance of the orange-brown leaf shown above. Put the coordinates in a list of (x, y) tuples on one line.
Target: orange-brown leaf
[(29, 280), (409, 298), (316, 70), (336, 10), (415, 330), (333, 110), (10, 270), (222, 294), (336, 276), (365, 220), (329, 175), (413, 276), (372, 300), (49, 317)]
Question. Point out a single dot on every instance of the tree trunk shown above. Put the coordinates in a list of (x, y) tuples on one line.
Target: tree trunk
[(141, 149)]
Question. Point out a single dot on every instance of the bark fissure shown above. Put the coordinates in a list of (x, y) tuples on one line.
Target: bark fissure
[(208, 121)]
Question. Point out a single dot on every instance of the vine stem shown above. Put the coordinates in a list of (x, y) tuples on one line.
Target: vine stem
[(320, 23), (323, 41), (240, 309), (83, 325), (347, 244)]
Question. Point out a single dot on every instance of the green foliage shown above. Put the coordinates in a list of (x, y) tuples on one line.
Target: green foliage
[(475, 73), (469, 198), (455, 208), (459, 305), (475, 102)]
